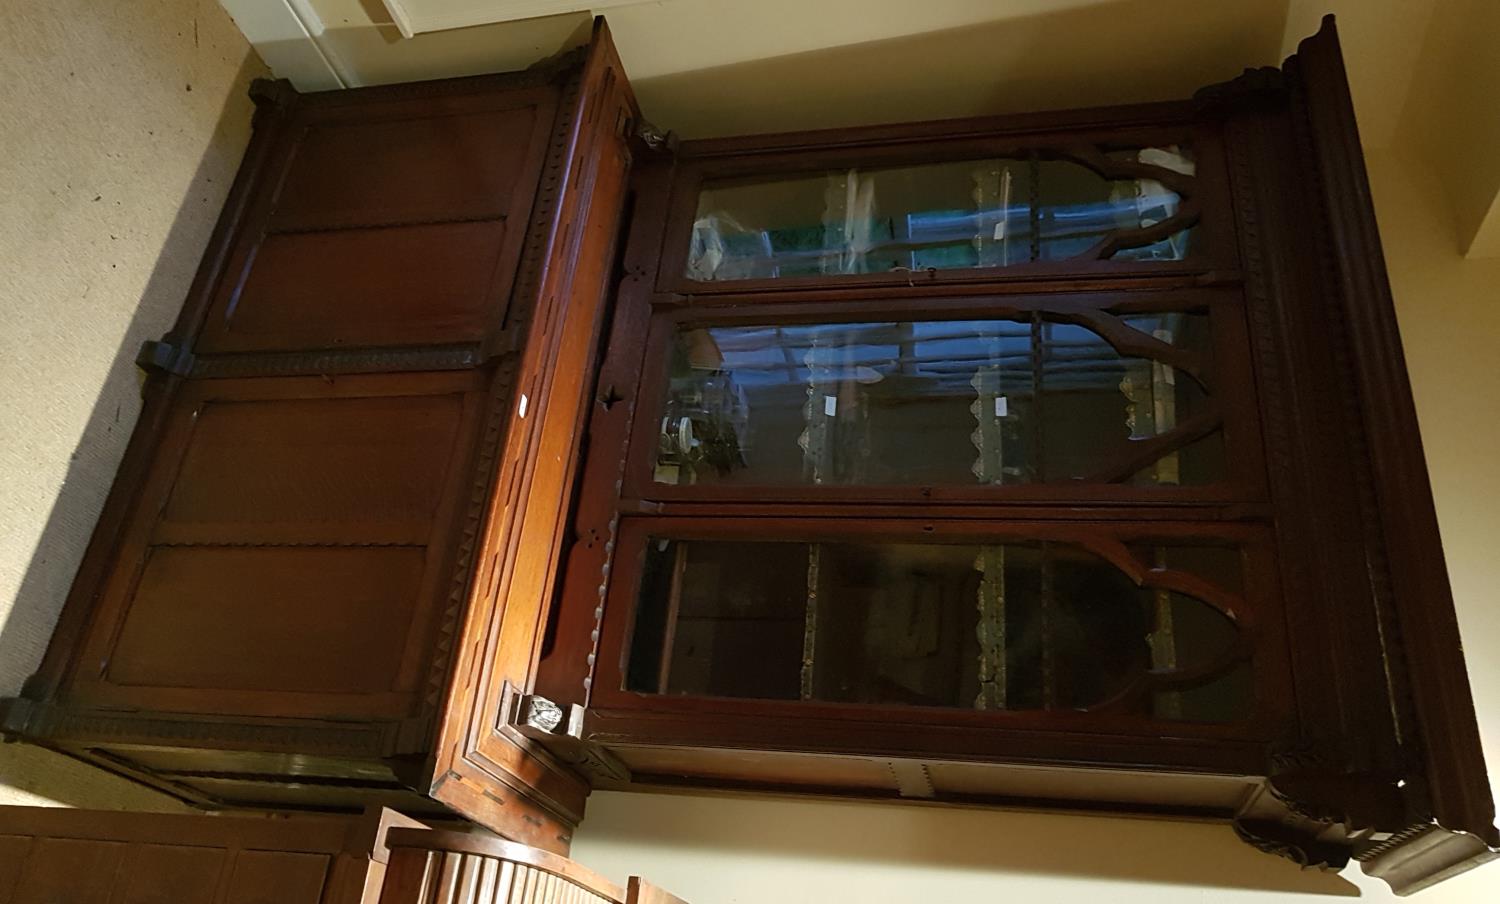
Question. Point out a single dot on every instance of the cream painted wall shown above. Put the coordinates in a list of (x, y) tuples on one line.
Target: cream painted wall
[(728, 850), (1453, 117), (121, 125)]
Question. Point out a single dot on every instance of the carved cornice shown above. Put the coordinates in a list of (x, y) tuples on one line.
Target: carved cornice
[(1302, 848), (1398, 689), (1423, 855), (1308, 777), (1263, 88), (1358, 801)]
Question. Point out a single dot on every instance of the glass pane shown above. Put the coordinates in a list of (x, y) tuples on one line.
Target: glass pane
[(1021, 625), (942, 402), (971, 213)]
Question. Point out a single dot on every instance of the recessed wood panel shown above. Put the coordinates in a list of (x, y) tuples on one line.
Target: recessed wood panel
[(277, 877), (170, 874), (70, 870), (14, 849), (402, 285), (304, 619), (59, 855), (333, 470), (421, 169)]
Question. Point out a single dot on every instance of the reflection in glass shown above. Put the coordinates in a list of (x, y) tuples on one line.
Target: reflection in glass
[(942, 402), (1013, 626), (941, 216)]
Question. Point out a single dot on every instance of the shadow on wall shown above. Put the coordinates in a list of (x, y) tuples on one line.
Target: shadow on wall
[(726, 842), (1121, 51), (91, 468)]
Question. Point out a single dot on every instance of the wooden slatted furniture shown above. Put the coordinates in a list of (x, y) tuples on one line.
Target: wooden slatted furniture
[(449, 868)]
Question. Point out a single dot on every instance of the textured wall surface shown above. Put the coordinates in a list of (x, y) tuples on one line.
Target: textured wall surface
[(121, 125)]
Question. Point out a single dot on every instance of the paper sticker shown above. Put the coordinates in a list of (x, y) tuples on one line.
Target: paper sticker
[(830, 405), (1002, 406), (521, 409)]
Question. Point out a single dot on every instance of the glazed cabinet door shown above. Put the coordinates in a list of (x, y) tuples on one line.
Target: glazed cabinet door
[(1062, 458)]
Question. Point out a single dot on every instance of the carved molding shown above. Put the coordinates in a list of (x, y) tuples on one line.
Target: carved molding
[(1354, 428), (654, 138), (1261, 88), (1358, 801), (1302, 848), (503, 387), (340, 361), (1423, 855), (59, 725), (1309, 778), (560, 731)]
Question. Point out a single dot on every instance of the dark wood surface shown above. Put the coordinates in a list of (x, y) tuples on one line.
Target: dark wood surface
[(521, 538), (1442, 707), (393, 477), (1359, 670), (385, 359), (394, 222), (93, 857)]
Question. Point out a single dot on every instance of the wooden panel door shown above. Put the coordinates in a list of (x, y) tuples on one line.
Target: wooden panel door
[(394, 223), (290, 539)]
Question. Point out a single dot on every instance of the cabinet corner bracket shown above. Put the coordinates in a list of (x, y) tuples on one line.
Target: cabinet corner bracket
[(559, 729)]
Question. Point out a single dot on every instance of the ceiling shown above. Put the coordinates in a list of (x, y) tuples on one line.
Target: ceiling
[(1419, 69)]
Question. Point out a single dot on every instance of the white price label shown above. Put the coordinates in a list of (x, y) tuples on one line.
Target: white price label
[(830, 405), (1002, 406)]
